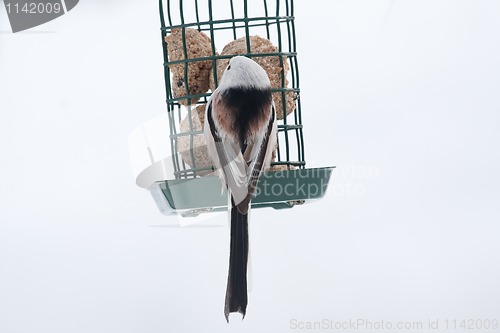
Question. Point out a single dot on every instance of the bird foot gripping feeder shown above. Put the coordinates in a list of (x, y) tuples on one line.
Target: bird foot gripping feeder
[(194, 60)]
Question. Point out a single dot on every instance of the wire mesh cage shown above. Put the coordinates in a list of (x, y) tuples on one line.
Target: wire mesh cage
[(198, 39)]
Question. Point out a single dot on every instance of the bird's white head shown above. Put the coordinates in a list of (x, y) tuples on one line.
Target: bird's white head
[(243, 72)]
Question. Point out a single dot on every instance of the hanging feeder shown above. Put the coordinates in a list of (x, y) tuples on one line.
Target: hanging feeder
[(193, 66)]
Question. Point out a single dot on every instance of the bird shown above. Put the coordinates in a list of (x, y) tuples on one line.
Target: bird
[(241, 134)]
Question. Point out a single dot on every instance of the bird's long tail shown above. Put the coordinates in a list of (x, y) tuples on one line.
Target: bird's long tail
[(236, 292)]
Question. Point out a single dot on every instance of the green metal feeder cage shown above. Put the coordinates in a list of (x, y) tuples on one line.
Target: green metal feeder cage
[(194, 188)]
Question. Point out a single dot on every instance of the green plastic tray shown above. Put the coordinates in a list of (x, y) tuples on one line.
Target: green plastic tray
[(281, 189)]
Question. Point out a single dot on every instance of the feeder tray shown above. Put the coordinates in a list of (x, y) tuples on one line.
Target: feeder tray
[(192, 190), (281, 189)]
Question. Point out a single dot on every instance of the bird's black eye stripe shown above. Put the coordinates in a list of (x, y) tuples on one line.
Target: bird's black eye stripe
[(228, 67)]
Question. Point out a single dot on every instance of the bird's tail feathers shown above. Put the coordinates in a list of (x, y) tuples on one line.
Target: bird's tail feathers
[(236, 292)]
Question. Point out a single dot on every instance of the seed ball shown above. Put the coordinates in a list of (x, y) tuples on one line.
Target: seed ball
[(199, 147), (198, 45)]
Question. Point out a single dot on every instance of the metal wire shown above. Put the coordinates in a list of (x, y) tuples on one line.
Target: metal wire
[(206, 25), (290, 129)]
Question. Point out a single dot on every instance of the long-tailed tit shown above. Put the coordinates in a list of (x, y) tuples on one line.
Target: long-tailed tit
[(241, 134)]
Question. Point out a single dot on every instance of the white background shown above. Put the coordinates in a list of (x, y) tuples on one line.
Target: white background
[(403, 98)]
